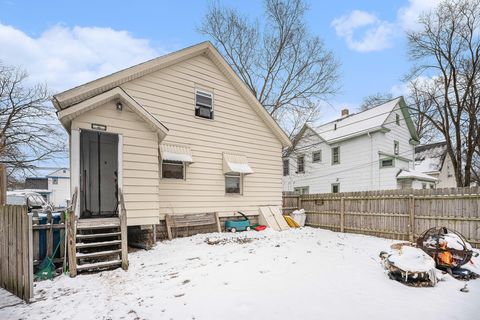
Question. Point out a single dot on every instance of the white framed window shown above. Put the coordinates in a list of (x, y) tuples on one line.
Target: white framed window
[(317, 156), (301, 164), (203, 104), (233, 183), (424, 186), (397, 119), (387, 163), (54, 180), (286, 167), (173, 169), (301, 190), (335, 187), (396, 147), (336, 155)]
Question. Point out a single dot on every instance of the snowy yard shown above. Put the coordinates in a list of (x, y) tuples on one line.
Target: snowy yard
[(296, 274)]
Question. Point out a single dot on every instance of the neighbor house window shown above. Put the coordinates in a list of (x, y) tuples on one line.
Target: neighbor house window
[(396, 148), (335, 187), (54, 180), (432, 186), (301, 164), (233, 183), (317, 156), (397, 119), (286, 167), (424, 186), (301, 190), (204, 104), (336, 155), (386, 163), (173, 169)]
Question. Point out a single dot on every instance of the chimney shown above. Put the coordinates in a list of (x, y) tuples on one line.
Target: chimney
[(344, 112)]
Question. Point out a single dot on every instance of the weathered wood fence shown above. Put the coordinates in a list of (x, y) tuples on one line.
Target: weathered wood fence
[(16, 252), (396, 214)]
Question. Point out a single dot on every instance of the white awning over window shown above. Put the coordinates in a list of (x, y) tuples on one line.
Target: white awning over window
[(175, 152), (233, 163)]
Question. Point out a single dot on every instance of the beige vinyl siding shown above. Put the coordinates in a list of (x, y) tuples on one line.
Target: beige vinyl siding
[(140, 159), (169, 94)]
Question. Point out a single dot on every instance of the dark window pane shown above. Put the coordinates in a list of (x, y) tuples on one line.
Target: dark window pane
[(317, 156), (232, 184), (286, 167), (172, 169), (301, 164), (203, 101)]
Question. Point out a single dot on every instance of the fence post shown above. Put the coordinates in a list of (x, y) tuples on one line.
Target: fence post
[(411, 220), (299, 202), (72, 250), (3, 185), (29, 276), (342, 214)]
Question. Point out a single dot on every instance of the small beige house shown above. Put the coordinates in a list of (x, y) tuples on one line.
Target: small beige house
[(178, 134)]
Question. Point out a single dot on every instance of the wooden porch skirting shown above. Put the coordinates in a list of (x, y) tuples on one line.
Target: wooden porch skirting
[(144, 234)]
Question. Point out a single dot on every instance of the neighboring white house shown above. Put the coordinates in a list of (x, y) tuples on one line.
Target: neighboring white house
[(59, 187), (434, 160), (54, 187), (369, 150)]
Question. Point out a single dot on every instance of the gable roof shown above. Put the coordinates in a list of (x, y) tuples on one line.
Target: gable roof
[(60, 173), (430, 157), (77, 95), (371, 120), (67, 115)]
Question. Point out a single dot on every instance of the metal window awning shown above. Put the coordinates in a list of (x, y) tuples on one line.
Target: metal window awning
[(233, 163), (175, 152)]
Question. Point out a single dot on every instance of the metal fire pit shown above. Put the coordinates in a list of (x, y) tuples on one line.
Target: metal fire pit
[(447, 247)]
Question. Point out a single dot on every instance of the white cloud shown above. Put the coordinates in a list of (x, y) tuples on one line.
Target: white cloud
[(408, 16), (364, 31), (377, 34), (64, 57)]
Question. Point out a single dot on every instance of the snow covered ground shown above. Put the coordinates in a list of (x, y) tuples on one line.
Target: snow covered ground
[(295, 274)]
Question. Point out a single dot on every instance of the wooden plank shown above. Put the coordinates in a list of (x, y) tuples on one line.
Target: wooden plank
[(49, 234), (3, 184), (342, 215), (411, 221), (3, 250), (18, 248), (123, 230), (11, 251), (25, 255), (72, 250), (168, 224), (217, 219)]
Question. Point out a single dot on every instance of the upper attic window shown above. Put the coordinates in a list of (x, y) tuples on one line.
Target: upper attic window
[(204, 104), (397, 119)]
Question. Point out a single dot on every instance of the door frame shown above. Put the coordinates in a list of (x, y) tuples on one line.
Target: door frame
[(75, 165)]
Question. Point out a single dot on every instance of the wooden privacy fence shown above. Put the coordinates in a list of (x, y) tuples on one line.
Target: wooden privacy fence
[(16, 259), (396, 214)]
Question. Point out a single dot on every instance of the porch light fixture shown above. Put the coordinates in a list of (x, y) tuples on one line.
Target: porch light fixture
[(119, 106)]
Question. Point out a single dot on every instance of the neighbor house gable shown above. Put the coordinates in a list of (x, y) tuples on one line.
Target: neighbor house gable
[(404, 109)]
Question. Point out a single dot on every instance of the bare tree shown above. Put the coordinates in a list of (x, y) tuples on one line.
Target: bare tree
[(447, 48), (29, 130), (374, 100), (286, 68)]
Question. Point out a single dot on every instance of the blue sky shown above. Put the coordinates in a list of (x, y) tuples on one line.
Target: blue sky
[(66, 43)]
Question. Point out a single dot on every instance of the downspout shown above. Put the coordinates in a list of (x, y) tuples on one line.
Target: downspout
[(371, 161)]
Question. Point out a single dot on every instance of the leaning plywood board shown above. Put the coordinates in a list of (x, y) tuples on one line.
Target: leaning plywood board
[(282, 223), (272, 217), (266, 218)]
